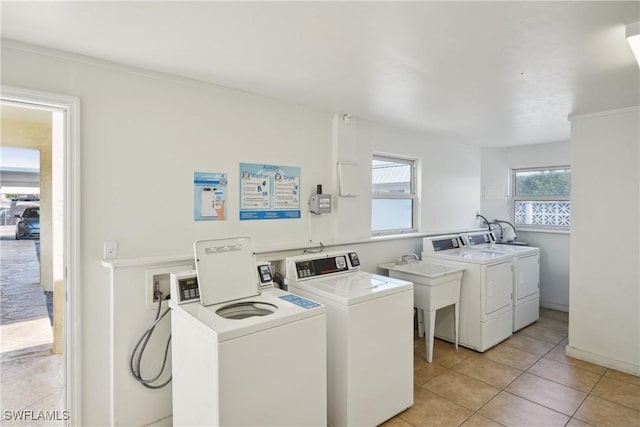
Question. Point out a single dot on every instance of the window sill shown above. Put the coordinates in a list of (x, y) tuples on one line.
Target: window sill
[(543, 230)]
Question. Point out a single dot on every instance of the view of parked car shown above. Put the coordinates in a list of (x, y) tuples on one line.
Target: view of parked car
[(28, 225)]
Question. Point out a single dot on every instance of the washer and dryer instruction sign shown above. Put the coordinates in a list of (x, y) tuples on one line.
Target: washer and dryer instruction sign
[(210, 196), (269, 192)]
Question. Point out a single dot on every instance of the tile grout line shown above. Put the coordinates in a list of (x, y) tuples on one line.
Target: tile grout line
[(605, 398), (504, 389), (539, 357)]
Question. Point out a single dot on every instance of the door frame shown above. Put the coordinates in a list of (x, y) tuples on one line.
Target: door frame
[(70, 106)]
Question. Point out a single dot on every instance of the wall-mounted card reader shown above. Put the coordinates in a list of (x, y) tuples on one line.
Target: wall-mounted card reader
[(320, 203)]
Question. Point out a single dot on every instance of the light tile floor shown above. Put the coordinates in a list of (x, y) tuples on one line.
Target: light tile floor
[(524, 381), (31, 378)]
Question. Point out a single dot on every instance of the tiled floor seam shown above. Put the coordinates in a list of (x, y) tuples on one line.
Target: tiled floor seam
[(608, 400), (573, 388), (485, 404), (624, 380), (504, 389), (547, 407), (540, 404), (488, 401), (484, 382), (476, 413), (583, 422), (554, 349), (451, 401)]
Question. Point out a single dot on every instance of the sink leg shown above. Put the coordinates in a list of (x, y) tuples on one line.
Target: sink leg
[(428, 339), (420, 322), (456, 307)]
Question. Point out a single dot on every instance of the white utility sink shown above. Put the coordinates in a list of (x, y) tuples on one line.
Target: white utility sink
[(434, 286), (429, 270)]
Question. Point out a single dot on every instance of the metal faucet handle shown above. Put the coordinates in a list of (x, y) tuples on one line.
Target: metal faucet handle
[(405, 258)]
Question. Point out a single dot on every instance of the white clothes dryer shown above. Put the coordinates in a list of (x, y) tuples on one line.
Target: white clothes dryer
[(243, 356), (486, 307), (526, 275), (369, 335)]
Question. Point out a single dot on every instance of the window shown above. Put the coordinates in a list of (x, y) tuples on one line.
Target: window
[(542, 197), (393, 188)]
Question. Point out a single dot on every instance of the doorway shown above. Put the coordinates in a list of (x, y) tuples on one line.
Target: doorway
[(41, 369)]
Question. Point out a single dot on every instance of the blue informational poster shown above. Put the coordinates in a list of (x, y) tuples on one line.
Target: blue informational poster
[(269, 192), (210, 196)]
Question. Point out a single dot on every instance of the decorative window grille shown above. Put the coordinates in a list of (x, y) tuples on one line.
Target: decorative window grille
[(557, 214), (542, 197)]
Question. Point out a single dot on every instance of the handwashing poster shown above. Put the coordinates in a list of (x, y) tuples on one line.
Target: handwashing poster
[(269, 192), (210, 196)]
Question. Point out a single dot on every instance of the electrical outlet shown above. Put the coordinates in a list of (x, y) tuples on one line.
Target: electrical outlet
[(110, 249), (161, 277)]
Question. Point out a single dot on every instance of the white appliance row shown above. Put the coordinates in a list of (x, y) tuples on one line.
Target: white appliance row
[(486, 312), (526, 275), (337, 351)]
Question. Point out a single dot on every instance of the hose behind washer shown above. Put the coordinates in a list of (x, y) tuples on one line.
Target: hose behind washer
[(138, 351)]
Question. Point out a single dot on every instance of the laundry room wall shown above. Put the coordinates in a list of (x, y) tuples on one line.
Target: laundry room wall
[(604, 324), (144, 134), (497, 164), (448, 183)]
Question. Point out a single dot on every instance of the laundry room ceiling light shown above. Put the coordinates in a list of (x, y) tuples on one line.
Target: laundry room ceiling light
[(633, 37)]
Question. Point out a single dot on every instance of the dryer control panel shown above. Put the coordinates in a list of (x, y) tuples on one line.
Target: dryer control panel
[(472, 239), (432, 245), (311, 266)]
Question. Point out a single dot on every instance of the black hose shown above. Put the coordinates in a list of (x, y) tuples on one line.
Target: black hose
[(138, 351)]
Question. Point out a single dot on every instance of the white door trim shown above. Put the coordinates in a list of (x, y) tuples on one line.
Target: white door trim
[(71, 251)]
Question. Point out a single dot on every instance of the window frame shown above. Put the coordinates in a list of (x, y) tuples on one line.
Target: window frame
[(412, 162), (548, 198)]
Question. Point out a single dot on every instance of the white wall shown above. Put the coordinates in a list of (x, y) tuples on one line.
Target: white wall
[(142, 137), (448, 184), (554, 247), (604, 321)]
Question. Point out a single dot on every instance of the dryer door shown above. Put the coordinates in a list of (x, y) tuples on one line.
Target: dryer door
[(499, 282), (528, 276)]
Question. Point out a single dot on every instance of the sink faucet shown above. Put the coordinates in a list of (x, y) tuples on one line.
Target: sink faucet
[(404, 259)]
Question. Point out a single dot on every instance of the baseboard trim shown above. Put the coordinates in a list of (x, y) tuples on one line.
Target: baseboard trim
[(607, 362), (552, 306)]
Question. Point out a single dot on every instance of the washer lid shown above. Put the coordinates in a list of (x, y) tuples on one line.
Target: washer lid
[(226, 270), (352, 288)]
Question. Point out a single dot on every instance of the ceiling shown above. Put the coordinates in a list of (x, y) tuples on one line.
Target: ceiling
[(480, 73)]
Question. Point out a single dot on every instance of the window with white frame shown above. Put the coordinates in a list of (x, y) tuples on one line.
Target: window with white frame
[(542, 197), (393, 189)]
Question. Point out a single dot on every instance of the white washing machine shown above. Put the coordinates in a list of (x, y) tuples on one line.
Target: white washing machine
[(526, 275), (369, 335), (486, 308), (242, 356)]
